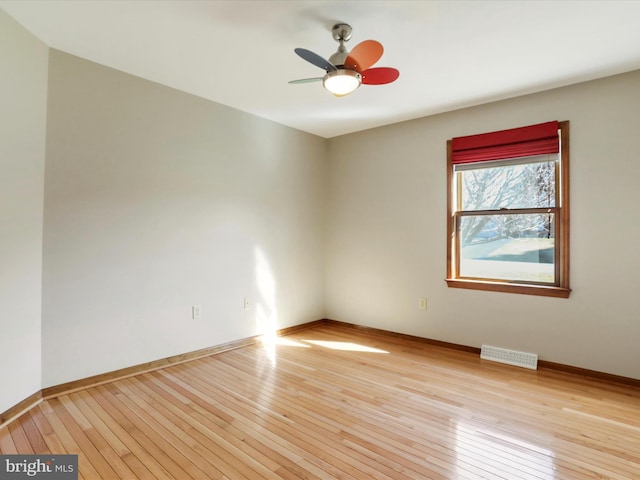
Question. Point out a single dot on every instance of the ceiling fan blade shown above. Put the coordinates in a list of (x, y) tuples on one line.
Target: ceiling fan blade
[(379, 76), (306, 80), (316, 59), (364, 55)]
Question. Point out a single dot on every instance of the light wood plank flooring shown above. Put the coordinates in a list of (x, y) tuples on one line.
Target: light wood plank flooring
[(339, 402)]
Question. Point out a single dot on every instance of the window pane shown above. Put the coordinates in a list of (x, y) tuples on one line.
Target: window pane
[(530, 185), (514, 247)]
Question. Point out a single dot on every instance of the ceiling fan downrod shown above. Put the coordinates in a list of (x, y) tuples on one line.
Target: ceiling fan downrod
[(341, 33)]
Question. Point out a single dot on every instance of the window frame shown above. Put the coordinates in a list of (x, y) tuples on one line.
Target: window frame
[(561, 289)]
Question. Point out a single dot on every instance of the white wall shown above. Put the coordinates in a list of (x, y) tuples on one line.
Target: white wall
[(386, 240), (155, 201), (23, 90)]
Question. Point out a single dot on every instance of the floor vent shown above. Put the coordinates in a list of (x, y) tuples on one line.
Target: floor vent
[(512, 357)]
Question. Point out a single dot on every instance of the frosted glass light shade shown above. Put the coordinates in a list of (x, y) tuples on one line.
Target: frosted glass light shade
[(342, 81)]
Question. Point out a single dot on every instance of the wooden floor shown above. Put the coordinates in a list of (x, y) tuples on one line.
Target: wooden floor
[(338, 402)]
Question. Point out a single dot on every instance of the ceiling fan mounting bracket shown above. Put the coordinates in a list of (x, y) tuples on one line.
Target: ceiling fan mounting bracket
[(341, 32)]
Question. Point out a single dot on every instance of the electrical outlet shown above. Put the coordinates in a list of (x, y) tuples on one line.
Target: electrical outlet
[(246, 304), (196, 312), (422, 303)]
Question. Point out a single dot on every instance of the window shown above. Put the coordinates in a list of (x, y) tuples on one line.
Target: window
[(508, 210)]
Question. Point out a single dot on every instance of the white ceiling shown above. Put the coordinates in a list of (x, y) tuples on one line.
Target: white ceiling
[(450, 54)]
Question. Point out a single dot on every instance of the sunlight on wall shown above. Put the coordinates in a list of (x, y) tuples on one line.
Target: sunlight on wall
[(266, 313), (501, 454)]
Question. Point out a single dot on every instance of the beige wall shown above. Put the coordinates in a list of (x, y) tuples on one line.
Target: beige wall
[(156, 200), (386, 236), (23, 90)]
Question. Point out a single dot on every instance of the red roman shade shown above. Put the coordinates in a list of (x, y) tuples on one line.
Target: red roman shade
[(517, 142)]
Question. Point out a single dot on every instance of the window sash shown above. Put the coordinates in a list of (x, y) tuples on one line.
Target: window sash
[(458, 169), (554, 212)]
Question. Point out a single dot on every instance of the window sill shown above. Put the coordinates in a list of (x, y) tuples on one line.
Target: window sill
[(540, 290)]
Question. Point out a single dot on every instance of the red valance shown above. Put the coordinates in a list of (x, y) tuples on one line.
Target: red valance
[(537, 139)]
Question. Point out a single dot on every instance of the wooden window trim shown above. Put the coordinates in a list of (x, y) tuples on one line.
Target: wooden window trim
[(560, 291)]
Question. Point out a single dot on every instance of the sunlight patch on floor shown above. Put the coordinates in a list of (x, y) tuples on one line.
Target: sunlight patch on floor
[(349, 346), (271, 341)]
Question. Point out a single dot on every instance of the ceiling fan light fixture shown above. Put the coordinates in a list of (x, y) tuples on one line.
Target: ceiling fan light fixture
[(342, 81)]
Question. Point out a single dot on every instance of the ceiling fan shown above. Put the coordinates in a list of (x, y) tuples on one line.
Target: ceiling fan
[(347, 70)]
